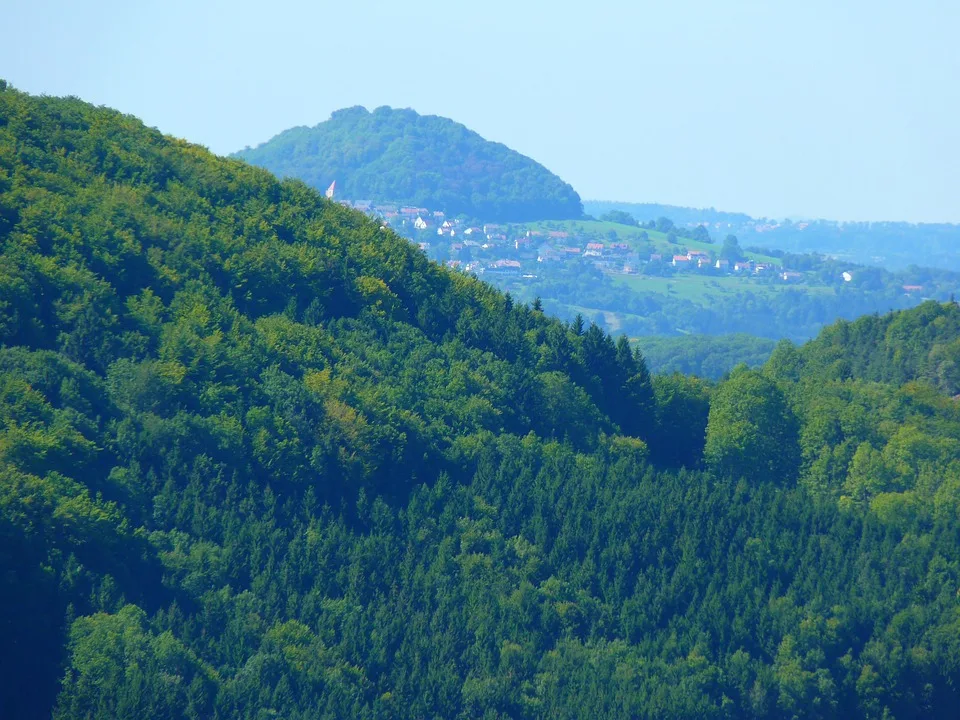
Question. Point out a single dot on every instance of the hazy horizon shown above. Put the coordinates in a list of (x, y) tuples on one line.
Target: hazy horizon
[(815, 111)]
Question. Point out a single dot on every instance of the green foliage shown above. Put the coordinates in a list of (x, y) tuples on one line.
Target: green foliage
[(919, 344), (751, 430), (682, 406), (663, 302), (147, 675), (731, 249), (399, 156), (618, 216), (259, 458), (707, 356)]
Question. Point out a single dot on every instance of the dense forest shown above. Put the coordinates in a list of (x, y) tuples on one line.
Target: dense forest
[(398, 156), (260, 458), (707, 356)]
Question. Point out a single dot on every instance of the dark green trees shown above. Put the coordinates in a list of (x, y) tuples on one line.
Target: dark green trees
[(731, 249), (618, 216), (682, 404)]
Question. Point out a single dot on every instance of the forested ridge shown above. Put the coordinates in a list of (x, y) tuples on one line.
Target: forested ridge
[(399, 156), (259, 457)]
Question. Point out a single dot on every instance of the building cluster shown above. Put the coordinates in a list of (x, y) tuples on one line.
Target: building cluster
[(701, 259), (503, 249)]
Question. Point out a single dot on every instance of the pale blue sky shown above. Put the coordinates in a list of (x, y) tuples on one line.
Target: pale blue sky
[(847, 109)]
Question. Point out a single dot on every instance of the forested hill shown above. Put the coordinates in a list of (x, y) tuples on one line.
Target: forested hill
[(260, 458), (920, 344), (398, 156)]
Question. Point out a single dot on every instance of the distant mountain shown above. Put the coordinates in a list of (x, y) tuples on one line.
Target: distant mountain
[(391, 155), (653, 211), (893, 245)]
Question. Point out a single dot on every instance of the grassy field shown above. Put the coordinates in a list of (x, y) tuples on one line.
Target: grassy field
[(600, 231), (701, 289)]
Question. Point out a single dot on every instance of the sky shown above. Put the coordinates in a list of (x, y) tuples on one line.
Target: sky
[(841, 109)]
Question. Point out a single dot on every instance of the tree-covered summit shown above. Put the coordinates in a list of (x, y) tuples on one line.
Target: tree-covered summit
[(398, 156)]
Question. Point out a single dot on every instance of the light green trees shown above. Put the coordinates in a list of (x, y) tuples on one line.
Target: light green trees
[(751, 430)]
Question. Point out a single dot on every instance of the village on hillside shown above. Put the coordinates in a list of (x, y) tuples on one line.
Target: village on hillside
[(525, 252)]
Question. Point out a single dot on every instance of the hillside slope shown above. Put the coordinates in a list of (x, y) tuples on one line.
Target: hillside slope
[(900, 347), (259, 458), (892, 245), (398, 156)]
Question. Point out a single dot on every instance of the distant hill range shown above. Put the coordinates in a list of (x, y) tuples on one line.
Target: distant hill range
[(893, 245), (399, 156), (653, 211)]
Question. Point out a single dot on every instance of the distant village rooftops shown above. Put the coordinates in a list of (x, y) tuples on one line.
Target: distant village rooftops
[(506, 249)]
